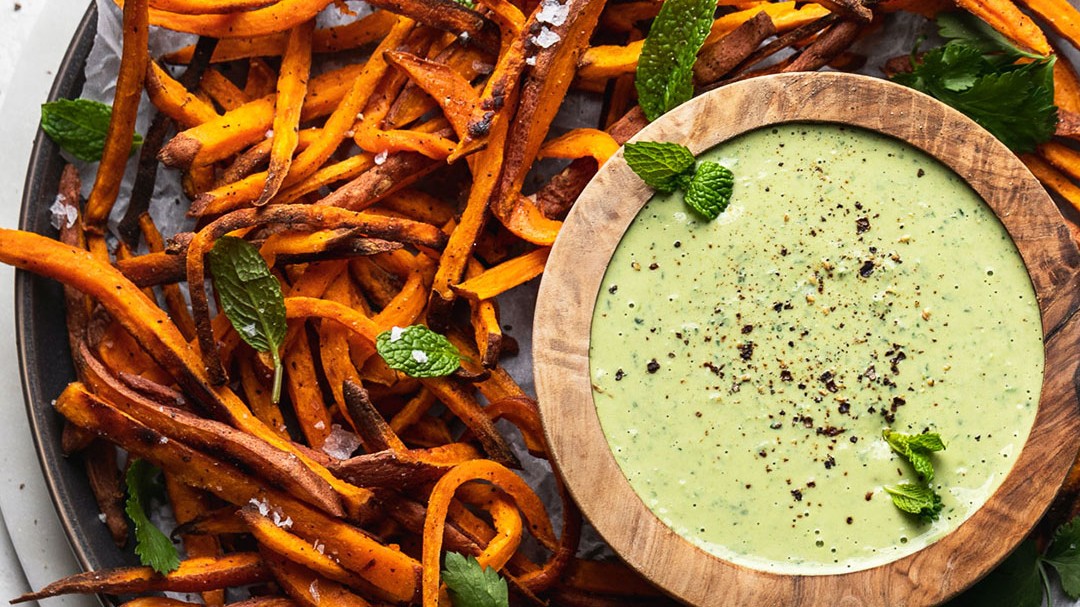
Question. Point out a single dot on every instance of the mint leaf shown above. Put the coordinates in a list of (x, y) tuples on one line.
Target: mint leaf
[(916, 499), (1064, 555), (417, 351), (664, 76), (710, 189), (251, 298), (79, 126), (916, 448), (1016, 582), (154, 549), (473, 586), (660, 165)]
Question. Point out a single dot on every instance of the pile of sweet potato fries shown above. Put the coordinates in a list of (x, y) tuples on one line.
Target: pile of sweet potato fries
[(386, 191)]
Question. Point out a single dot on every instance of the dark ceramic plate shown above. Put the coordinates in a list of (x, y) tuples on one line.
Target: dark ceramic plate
[(44, 357)]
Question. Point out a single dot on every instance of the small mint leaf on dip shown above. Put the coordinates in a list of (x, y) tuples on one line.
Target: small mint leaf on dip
[(79, 126), (664, 77), (667, 167), (471, 585), (417, 351), (251, 299), (919, 500), (916, 448), (710, 189), (1064, 555), (660, 165)]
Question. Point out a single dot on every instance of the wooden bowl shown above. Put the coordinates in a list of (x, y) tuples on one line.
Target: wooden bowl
[(593, 230)]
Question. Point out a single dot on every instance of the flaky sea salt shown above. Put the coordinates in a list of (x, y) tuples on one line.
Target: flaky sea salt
[(530, 60), (101, 517), (62, 213), (395, 333), (340, 443), (313, 590), (381, 157), (546, 38), (553, 12), (284, 523), (319, 547), (419, 356), (319, 425), (263, 507), (269, 133)]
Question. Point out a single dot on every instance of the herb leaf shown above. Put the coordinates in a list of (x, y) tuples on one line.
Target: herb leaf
[(154, 549), (976, 74), (710, 189), (417, 351), (664, 76), (659, 164), (1016, 581), (79, 126), (473, 586), (251, 298), (916, 448), (1064, 554), (916, 499)]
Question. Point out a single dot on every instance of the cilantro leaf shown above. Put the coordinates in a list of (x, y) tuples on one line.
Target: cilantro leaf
[(1064, 555), (251, 298), (967, 29), (79, 126), (664, 76), (417, 351), (1016, 582), (151, 545), (473, 586), (710, 189), (916, 499), (976, 74), (660, 165)]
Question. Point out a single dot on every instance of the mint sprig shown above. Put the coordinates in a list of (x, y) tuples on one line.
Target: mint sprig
[(154, 549), (667, 167), (976, 73), (471, 585), (417, 351), (664, 76), (251, 299), (80, 127)]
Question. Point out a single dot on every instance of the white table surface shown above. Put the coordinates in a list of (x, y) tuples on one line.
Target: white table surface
[(33, 548)]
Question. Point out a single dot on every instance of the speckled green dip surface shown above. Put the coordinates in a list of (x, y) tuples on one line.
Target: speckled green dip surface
[(744, 369)]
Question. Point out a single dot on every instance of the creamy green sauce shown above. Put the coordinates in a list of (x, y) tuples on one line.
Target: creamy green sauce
[(744, 369)]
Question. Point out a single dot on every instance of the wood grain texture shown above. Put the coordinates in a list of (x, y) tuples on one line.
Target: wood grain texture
[(597, 223)]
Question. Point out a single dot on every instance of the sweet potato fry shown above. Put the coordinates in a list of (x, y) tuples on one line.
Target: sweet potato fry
[(1006, 18), (309, 589), (717, 60), (531, 507), (194, 575), (1053, 179), (208, 7), (504, 276), (302, 384), (235, 130), (375, 433), (277, 17), (581, 143), (1061, 15), (398, 170), (125, 105), (325, 40), (104, 476), (1066, 87), (448, 16), (257, 392), (825, 48), (445, 85), (173, 100), (291, 90), (186, 504), (256, 157), (402, 470), (926, 8), (223, 91), (174, 298)]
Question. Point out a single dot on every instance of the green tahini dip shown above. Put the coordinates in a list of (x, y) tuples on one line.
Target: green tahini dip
[(743, 369)]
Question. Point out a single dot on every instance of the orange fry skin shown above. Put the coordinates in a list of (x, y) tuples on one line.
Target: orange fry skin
[(291, 90)]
